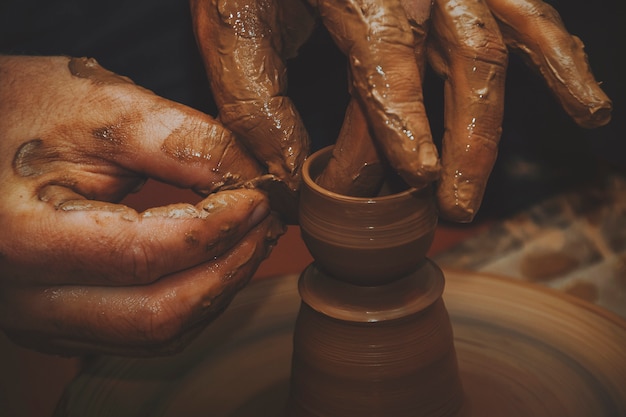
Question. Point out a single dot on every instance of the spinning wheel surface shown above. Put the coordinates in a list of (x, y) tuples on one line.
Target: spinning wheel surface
[(522, 350)]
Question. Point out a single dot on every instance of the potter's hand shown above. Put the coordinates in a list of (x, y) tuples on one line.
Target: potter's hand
[(244, 45), (466, 44), (465, 48), (79, 273)]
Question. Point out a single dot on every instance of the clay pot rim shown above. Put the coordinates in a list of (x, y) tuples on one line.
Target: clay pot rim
[(314, 186)]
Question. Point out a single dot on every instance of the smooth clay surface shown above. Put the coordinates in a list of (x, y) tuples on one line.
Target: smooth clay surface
[(365, 241), (378, 351), (522, 350)]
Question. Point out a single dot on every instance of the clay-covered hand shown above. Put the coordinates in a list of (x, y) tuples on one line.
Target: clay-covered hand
[(465, 41), (465, 47), (82, 273), (244, 44), (388, 44)]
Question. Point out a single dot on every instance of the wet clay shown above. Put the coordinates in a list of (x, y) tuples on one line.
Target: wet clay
[(243, 48), (467, 47), (372, 336), (282, 199), (29, 158), (89, 68)]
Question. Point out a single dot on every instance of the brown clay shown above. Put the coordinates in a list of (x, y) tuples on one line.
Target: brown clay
[(89, 68), (355, 167), (535, 28), (365, 241), (244, 49), (372, 336)]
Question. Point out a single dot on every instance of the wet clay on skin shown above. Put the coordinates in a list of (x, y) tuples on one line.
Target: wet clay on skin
[(378, 41), (236, 168), (565, 67), (29, 158), (244, 49), (473, 102), (89, 68), (372, 336)]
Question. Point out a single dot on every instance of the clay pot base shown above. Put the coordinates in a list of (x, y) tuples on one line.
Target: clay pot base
[(522, 350)]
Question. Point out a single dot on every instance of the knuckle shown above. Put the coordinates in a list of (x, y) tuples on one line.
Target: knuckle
[(485, 46), (490, 55)]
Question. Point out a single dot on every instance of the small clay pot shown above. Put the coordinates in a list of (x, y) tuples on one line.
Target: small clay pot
[(364, 241)]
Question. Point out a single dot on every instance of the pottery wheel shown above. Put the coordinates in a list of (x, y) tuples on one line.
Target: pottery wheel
[(523, 351)]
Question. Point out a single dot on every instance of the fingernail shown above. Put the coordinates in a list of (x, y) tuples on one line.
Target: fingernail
[(460, 214), (428, 154), (251, 205), (260, 211), (429, 168), (598, 115)]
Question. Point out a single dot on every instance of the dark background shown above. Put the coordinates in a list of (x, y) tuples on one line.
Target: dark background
[(542, 151)]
